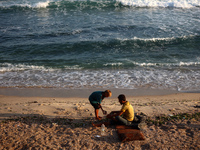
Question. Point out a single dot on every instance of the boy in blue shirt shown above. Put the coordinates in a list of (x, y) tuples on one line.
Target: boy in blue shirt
[(95, 100)]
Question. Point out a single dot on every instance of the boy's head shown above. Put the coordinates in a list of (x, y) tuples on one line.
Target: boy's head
[(107, 93), (122, 98)]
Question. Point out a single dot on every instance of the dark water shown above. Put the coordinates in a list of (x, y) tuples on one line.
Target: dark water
[(100, 44)]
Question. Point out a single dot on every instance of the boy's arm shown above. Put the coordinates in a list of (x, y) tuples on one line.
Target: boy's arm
[(104, 112), (114, 114), (118, 113)]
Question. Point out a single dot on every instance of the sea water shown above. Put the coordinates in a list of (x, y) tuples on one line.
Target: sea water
[(100, 44)]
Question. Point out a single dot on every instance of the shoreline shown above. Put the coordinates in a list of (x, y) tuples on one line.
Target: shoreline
[(80, 93)]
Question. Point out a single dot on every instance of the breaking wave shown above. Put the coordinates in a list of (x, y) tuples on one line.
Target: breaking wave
[(99, 4)]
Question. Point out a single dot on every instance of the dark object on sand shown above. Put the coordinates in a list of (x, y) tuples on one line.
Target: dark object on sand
[(196, 106), (127, 133)]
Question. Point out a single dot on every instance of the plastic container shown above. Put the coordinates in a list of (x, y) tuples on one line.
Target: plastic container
[(103, 129)]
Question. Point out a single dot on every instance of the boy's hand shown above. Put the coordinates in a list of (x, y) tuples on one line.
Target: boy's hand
[(105, 112)]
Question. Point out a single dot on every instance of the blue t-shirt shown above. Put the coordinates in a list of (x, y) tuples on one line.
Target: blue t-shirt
[(96, 97)]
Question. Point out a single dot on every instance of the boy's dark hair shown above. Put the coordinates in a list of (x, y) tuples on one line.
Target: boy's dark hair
[(122, 97)]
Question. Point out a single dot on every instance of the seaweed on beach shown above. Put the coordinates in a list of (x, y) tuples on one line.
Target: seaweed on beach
[(163, 119)]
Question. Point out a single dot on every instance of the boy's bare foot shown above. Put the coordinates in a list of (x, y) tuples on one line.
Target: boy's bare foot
[(99, 118)]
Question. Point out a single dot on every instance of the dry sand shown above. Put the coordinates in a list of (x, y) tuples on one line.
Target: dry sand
[(65, 123)]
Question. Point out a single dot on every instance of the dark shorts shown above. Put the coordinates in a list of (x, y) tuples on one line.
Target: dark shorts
[(95, 105), (120, 121)]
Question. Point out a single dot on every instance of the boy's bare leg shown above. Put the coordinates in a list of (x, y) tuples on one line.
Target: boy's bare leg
[(97, 114)]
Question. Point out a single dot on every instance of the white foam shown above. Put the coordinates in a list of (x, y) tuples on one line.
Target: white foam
[(161, 3), (7, 67), (22, 75), (21, 3), (113, 64), (189, 63), (132, 79), (157, 39), (167, 64), (41, 4)]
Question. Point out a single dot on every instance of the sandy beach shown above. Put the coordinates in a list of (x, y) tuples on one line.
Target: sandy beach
[(30, 120)]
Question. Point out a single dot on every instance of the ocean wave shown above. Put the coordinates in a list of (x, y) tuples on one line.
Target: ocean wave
[(119, 63), (180, 64), (104, 41), (113, 64), (162, 3), (153, 65), (110, 54), (78, 79), (8, 67), (28, 4), (99, 4), (162, 39)]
